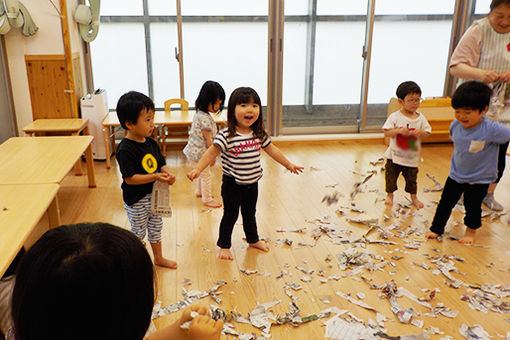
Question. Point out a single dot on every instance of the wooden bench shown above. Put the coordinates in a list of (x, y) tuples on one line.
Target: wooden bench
[(439, 114)]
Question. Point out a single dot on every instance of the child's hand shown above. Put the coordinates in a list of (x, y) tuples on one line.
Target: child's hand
[(419, 133), (403, 131), (204, 328), (193, 174), (295, 169), (171, 178), (186, 314), (166, 178), (174, 331)]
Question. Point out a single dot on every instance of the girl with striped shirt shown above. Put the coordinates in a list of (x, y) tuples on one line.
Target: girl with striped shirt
[(239, 145)]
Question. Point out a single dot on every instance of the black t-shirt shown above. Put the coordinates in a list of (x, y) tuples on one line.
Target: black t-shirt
[(138, 158)]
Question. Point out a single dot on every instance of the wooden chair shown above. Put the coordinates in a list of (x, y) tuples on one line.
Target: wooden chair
[(439, 113), (175, 133)]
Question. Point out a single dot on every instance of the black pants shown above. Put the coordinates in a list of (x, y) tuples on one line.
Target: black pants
[(392, 171), (234, 196), (501, 160), (473, 196)]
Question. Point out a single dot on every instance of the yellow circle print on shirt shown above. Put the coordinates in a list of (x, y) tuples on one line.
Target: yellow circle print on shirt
[(149, 163)]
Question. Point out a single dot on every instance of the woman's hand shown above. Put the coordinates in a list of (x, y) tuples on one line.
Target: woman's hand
[(488, 76), (505, 76)]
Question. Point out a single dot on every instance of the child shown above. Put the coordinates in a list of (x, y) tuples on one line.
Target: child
[(239, 145), (474, 161), (93, 281), (406, 127), (210, 100), (141, 164)]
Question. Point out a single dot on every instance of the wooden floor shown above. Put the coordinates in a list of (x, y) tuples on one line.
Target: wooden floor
[(290, 201)]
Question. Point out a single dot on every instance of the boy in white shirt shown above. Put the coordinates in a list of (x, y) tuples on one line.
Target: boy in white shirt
[(405, 127)]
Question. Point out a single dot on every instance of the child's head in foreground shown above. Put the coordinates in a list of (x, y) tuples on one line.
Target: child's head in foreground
[(409, 96), (470, 102), (236, 104), (131, 105), (84, 281)]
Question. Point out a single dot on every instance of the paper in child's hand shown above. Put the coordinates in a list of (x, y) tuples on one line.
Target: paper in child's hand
[(160, 203)]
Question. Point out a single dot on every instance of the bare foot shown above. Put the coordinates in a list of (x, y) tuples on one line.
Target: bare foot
[(163, 262), (198, 195), (469, 236), (212, 204), (225, 254), (417, 203), (389, 200), (431, 235), (260, 245)]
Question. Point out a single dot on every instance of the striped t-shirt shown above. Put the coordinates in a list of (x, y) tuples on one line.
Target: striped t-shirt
[(240, 155), (494, 51)]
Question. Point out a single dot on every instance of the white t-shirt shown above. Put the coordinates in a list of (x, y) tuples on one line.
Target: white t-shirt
[(405, 150), (196, 146)]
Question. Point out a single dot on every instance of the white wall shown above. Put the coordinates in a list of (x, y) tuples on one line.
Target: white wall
[(47, 40)]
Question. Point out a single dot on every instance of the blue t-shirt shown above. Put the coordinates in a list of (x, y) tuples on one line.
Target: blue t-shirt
[(475, 154)]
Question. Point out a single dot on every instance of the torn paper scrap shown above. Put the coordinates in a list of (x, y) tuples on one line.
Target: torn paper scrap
[(474, 333)]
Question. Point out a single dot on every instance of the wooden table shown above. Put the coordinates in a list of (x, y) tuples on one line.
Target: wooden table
[(174, 118), (35, 160), (21, 208), (62, 126), (59, 127)]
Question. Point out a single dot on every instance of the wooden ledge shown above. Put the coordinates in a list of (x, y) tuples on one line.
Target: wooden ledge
[(367, 138)]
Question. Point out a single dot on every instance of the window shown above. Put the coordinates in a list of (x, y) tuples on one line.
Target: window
[(323, 40), (119, 59)]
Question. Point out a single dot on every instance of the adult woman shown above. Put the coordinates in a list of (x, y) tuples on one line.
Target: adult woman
[(483, 54)]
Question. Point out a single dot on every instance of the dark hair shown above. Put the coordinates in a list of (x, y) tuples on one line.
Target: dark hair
[(407, 87), (474, 95), (130, 105), (210, 92), (496, 3), (243, 95), (84, 281)]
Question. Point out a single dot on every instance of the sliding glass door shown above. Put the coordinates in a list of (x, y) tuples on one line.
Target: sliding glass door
[(410, 42), (322, 66)]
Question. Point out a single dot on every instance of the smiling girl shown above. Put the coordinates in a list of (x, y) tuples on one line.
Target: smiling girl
[(239, 145)]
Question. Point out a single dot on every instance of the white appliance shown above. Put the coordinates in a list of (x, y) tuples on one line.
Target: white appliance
[(94, 107)]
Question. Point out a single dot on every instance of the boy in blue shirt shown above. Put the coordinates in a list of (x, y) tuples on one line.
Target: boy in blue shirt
[(474, 161)]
